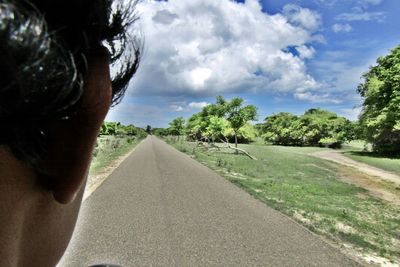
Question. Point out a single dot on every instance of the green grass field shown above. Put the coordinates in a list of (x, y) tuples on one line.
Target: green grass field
[(385, 163), (109, 148), (360, 151), (308, 189)]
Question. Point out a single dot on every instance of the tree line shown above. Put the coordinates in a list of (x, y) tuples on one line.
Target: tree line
[(222, 121), (316, 127), (118, 129), (378, 124), (229, 121)]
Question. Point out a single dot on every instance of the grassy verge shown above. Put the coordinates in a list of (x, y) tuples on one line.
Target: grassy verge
[(385, 163), (109, 148), (361, 151), (308, 189)]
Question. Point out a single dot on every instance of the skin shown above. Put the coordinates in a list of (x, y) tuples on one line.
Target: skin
[(38, 215)]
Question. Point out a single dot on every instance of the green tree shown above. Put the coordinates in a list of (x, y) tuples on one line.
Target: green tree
[(315, 127), (160, 131), (110, 128), (131, 130), (217, 127), (148, 129), (237, 115), (283, 128), (177, 126), (380, 117), (195, 127), (246, 133)]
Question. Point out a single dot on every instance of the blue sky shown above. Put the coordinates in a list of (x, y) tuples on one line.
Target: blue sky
[(278, 55)]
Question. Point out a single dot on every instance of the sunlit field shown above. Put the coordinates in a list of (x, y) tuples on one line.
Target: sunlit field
[(311, 191)]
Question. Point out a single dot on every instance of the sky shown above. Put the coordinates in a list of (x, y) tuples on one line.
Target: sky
[(278, 55)]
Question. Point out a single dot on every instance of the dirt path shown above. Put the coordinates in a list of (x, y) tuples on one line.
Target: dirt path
[(365, 176), (338, 157)]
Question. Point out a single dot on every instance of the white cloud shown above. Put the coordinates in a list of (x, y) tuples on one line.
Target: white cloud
[(305, 52), (198, 105), (176, 108), (164, 17), (199, 76), (303, 17), (357, 3), (208, 47), (318, 98), (342, 27), (362, 16), (183, 106)]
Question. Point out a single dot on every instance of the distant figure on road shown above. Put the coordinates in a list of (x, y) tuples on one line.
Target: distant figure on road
[(55, 90)]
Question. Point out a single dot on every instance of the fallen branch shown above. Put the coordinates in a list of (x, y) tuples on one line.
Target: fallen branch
[(238, 149), (211, 146)]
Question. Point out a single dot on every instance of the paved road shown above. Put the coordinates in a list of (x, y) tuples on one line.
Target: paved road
[(161, 208)]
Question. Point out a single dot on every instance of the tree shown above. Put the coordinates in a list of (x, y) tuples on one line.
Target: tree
[(237, 115), (131, 130), (195, 127), (315, 127), (177, 126), (110, 128), (160, 131), (217, 127), (283, 128), (148, 129), (246, 133), (380, 115)]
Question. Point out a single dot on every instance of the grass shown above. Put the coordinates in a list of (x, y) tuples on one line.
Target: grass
[(109, 148), (308, 189), (361, 151), (370, 158)]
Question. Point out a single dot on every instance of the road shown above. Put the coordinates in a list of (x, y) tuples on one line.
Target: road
[(162, 208)]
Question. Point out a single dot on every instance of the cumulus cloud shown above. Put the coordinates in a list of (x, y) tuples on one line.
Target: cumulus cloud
[(342, 27), (303, 17), (305, 52), (208, 47), (164, 17)]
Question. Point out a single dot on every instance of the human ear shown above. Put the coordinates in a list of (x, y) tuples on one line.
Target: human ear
[(71, 141)]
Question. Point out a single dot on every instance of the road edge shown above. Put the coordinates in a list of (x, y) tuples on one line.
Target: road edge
[(95, 181)]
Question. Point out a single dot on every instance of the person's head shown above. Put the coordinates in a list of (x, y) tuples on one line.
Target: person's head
[(55, 90)]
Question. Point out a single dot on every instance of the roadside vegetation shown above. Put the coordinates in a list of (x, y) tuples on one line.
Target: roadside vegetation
[(272, 161), (114, 141), (390, 164), (361, 151), (311, 191)]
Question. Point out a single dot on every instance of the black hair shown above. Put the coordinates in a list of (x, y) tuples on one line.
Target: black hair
[(43, 50)]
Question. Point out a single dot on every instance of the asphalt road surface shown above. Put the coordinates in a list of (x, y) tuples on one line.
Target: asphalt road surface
[(162, 208)]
